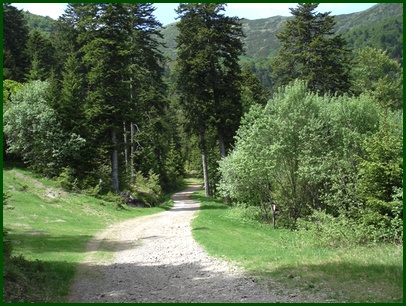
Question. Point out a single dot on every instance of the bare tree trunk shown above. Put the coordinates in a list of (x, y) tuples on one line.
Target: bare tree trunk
[(114, 162), (204, 162), (127, 172), (132, 151), (222, 145)]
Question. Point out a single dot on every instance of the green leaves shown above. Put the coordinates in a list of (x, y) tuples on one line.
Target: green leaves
[(297, 148), (379, 76), (34, 133), (208, 77)]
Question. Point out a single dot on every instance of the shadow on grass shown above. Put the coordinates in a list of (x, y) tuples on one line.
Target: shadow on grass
[(40, 242), (207, 202), (200, 228), (212, 207), (27, 281), (191, 281), (343, 281)]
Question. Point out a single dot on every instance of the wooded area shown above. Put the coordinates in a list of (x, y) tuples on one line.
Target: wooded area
[(96, 106)]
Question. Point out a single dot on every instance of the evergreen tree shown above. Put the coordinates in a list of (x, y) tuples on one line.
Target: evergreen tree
[(310, 52), (208, 74), (15, 35), (119, 50), (253, 92), (41, 54), (71, 95), (36, 73)]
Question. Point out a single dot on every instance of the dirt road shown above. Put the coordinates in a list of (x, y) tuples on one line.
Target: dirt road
[(155, 259)]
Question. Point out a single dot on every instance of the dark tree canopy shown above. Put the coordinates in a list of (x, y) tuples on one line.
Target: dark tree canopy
[(310, 52), (208, 73), (15, 36), (116, 45)]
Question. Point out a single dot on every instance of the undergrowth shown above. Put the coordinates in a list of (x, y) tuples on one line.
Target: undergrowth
[(298, 260)]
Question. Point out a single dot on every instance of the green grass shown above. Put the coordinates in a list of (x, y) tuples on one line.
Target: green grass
[(51, 226), (356, 274)]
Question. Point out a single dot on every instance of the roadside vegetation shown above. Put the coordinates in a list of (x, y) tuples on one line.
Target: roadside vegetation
[(100, 117), (352, 274), (45, 231)]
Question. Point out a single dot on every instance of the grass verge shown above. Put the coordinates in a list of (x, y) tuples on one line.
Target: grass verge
[(354, 274), (48, 230)]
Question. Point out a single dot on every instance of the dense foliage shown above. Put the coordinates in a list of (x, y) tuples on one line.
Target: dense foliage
[(385, 35), (208, 74), (45, 25), (104, 86), (341, 156), (15, 35), (96, 106), (35, 133), (310, 51)]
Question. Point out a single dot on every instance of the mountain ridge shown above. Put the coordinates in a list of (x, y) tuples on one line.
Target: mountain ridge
[(261, 41), (359, 29)]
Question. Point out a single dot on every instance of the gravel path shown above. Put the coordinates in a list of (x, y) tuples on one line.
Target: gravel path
[(155, 259)]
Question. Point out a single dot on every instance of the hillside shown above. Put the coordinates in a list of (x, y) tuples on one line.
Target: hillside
[(261, 41), (45, 24)]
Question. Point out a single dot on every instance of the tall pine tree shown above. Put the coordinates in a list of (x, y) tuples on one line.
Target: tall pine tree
[(119, 51), (208, 74), (15, 35), (310, 52)]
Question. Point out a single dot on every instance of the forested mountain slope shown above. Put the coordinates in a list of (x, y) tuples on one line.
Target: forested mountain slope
[(380, 26), (260, 40), (36, 22)]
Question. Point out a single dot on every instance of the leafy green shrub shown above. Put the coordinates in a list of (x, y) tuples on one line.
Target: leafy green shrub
[(329, 231), (97, 181), (34, 132), (114, 198), (244, 214), (147, 188), (67, 179)]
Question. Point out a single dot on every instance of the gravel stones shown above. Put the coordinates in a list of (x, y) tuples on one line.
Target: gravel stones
[(156, 259)]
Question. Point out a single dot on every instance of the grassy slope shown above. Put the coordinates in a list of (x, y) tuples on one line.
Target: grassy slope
[(47, 224), (357, 274)]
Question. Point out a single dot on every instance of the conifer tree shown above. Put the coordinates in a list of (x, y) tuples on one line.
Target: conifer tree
[(310, 52), (119, 51), (41, 54), (15, 35), (36, 72), (208, 74)]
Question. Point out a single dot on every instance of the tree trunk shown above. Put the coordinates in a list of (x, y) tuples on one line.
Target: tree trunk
[(132, 151), (222, 145), (127, 172), (114, 162), (204, 162)]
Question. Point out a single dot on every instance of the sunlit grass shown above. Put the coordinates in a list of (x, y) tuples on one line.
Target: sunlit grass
[(356, 274), (49, 225)]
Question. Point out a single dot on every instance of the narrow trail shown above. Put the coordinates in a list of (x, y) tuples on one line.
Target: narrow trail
[(155, 259)]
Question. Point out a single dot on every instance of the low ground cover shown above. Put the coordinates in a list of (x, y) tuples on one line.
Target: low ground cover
[(350, 274), (50, 229)]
